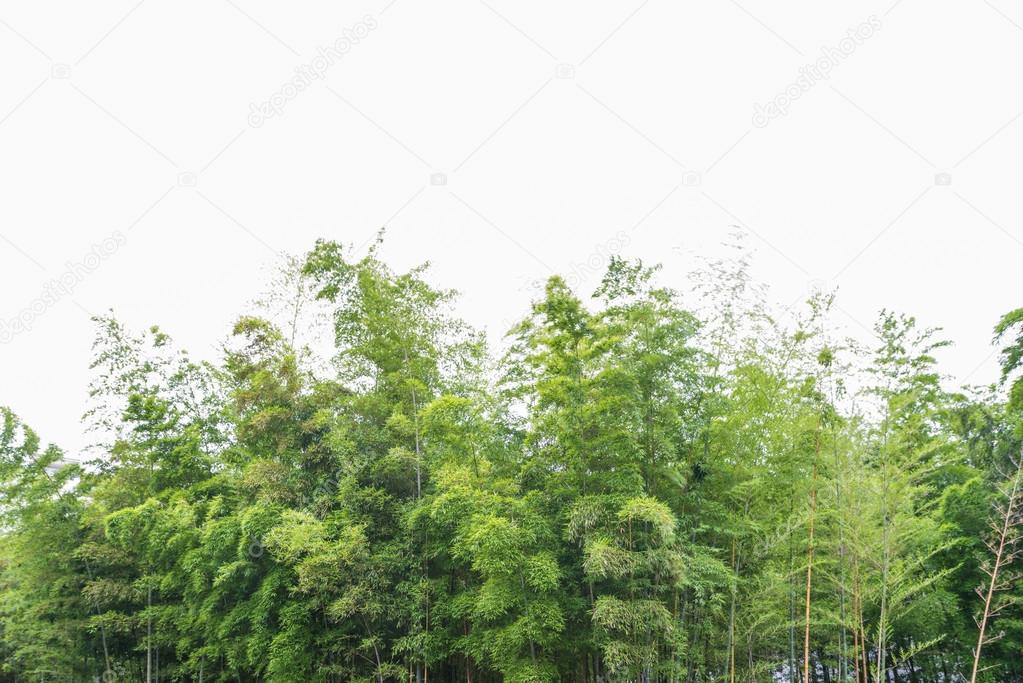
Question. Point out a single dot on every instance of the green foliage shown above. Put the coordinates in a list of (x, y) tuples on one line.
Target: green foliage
[(1012, 355), (626, 495)]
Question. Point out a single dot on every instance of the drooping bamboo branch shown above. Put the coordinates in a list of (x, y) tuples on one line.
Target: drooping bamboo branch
[(1003, 546)]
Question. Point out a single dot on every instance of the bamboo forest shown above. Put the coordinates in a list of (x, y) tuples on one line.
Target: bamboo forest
[(635, 483)]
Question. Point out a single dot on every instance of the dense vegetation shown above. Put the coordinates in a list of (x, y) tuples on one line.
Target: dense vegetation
[(644, 486)]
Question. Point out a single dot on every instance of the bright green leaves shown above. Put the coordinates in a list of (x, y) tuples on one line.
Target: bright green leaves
[(296, 536), (604, 559), (633, 562), (646, 516), (502, 547), (628, 542), (639, 628), (542, 573), (1012, 355)]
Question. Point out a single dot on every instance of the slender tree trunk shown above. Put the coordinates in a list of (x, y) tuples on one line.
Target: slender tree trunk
[(420, 666), (691, 663), (792, 611), (857, 643), (809, 558), (102, 627), (149, 635), (865, 651), (882, 619), (380, 673), (843, 653), (419, 455), (749, 656), (596, 654), (863, 658), (856, 654), (731, 620)]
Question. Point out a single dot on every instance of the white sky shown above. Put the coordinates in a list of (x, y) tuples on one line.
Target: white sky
[(562, 130)]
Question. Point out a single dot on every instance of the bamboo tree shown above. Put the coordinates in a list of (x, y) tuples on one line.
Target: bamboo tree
[(633, 492)]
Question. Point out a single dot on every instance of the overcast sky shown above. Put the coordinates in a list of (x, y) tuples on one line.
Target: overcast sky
[(156, 156)]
